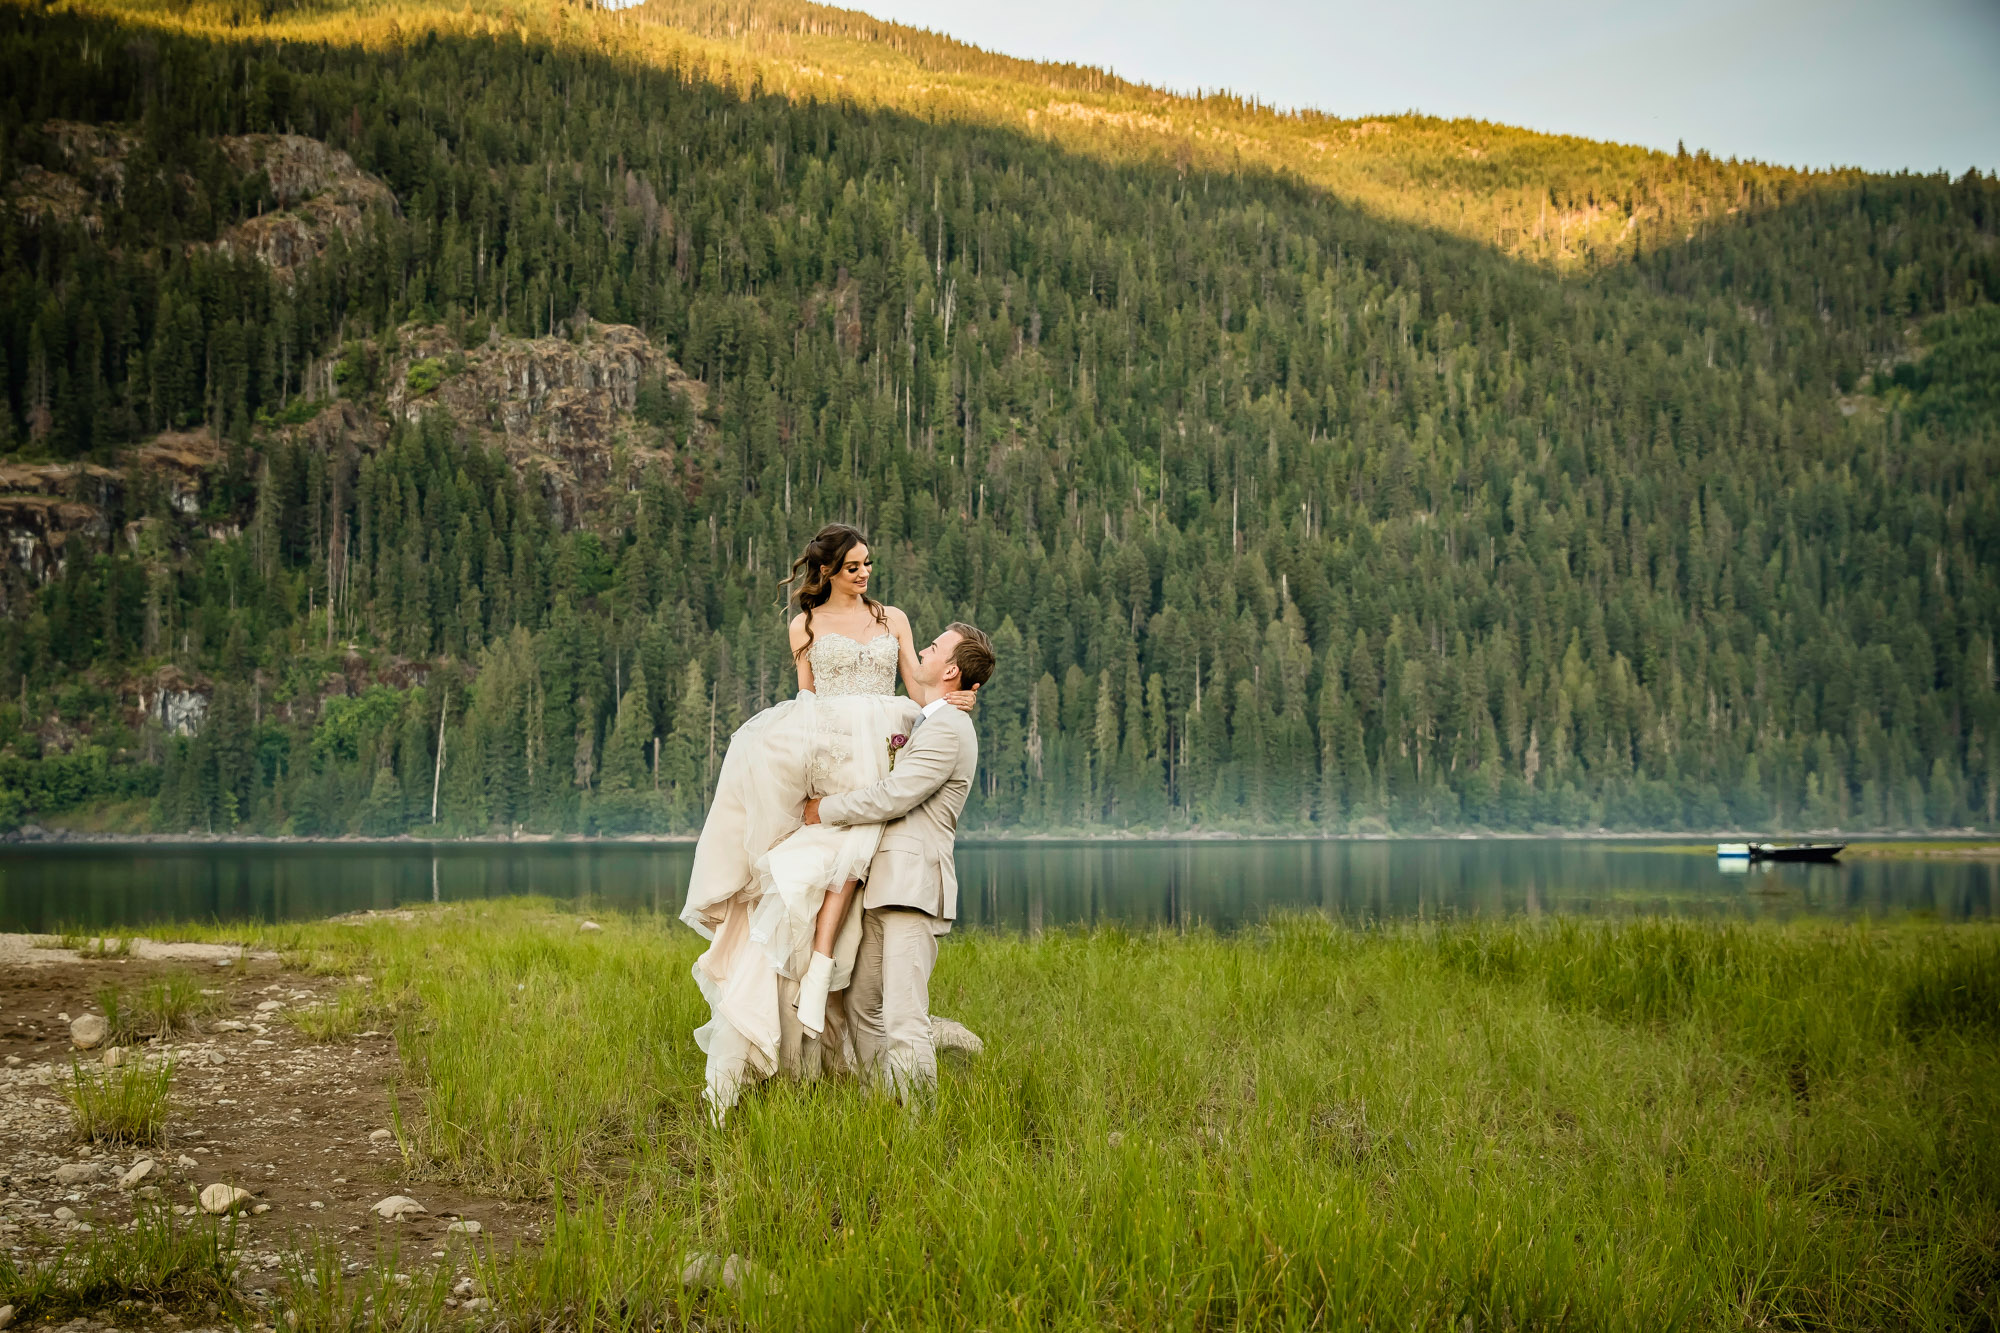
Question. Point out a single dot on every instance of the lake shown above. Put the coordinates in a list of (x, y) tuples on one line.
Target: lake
[(1009, 885)]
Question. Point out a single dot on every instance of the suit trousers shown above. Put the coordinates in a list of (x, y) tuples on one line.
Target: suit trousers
[(889, 1000)]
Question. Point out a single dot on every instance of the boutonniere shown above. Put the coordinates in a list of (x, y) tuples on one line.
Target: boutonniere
[(896, 742)]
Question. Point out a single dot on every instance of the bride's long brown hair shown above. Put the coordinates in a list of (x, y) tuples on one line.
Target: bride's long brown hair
[(813, 573)]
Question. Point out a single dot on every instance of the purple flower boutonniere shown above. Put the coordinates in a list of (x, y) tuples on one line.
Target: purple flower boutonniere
[(896, 742)]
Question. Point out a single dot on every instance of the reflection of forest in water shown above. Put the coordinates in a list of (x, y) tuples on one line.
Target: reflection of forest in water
[(1021, 886)]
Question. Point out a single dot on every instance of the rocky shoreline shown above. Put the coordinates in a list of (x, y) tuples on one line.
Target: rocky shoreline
[(287, 1137)]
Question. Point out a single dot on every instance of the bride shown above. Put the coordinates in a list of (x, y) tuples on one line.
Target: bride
[(769, 894)]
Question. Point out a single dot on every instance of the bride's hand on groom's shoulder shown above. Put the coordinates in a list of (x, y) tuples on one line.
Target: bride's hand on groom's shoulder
[(962, 700)]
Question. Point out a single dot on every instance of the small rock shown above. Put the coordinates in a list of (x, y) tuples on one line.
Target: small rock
[(590, 925), (75, 1173), (62, 1017), (219, 1199), (6, 1315), (379, 1136), (186, 1163), (398, 1208), (477, 1303), (13, 1062), (736, 1273), (465, 1226), (65, 1214), (217, 1058), (89, 1031), (315, 1205), (464, 1288), (140, 1170), (261, 1209), (115, 1056), (231, 1025), (739, 1275), (269, 1006), (147, 1192), (949, 1035)]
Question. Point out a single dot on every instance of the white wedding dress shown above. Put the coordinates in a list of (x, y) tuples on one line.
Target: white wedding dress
[(759, 875)]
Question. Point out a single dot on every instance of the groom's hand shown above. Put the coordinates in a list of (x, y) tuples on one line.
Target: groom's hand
[(812, 810)]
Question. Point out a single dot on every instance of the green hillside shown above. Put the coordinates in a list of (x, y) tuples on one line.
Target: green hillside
[(370, 366)]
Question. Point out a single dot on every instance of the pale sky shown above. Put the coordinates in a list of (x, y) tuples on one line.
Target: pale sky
[(1885, 86)]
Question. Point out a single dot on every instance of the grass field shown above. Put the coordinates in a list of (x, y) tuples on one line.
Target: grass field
[(1633, 1125)]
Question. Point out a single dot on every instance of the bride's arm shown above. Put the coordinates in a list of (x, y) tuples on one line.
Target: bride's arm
[(798, 637), (906, 651), (906, 645)]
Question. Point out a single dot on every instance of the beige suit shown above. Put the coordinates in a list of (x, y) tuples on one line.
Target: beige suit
[(911, 896)]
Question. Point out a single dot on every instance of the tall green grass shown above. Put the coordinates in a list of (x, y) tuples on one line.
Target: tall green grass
[(158, 1259), (334, 1019), (1587, 1125), (319, 1296), (125, 1105), (170, 1005)]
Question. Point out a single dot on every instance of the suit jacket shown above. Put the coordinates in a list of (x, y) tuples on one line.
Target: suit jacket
[(920, 802)]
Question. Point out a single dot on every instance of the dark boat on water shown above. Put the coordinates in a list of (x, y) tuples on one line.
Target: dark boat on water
[(1797, 851)]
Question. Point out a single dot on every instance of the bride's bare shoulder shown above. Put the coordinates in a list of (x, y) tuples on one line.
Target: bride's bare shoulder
[(898, 622)]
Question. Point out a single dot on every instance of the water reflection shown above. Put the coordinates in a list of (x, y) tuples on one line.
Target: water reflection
[(1017, 886)]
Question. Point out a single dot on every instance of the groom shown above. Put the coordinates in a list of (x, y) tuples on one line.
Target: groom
[(911, 896)]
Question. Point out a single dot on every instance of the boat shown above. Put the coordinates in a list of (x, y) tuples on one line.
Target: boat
[(1779, 851), (1796, 851)]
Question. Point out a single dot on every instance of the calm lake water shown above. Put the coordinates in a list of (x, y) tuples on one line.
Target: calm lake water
[(1006, 885)]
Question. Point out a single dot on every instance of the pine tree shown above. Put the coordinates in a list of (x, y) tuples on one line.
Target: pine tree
[(684, 752), (626, 801)]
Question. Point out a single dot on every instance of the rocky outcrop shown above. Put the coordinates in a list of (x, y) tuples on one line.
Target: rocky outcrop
[(50, 510), (318, 189), (319, 192), (46, 198), (557, 405), (181, 462), (178, 703), (44, 508)]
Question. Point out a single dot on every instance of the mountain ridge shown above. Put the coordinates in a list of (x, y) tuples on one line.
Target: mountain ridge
[(1291, 515)]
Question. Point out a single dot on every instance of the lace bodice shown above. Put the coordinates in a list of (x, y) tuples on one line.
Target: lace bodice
[(847, 666)]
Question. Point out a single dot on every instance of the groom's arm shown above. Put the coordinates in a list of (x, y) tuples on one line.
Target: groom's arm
[(924, 765)]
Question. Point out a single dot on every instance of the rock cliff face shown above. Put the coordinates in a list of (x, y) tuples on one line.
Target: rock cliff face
[(317, 189), (562, 409), (44, 508), (50, 511), (557, 405), (177, 702)]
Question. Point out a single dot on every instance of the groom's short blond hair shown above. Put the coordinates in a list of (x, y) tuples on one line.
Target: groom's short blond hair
[(973, 656)]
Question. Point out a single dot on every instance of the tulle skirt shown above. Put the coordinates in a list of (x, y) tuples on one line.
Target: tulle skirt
[(759, 877)]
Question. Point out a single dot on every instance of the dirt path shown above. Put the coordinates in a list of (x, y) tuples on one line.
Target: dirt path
[(305, 1126)]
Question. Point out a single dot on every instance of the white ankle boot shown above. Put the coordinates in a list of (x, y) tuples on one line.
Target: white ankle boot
[(812, 993)]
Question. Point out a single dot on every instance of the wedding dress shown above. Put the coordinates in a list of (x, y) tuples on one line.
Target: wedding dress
[(759, 875)]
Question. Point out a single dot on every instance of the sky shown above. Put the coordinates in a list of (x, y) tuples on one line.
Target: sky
[(1886, 86)]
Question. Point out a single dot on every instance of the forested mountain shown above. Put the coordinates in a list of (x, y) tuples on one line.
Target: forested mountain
[(380, 379)]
